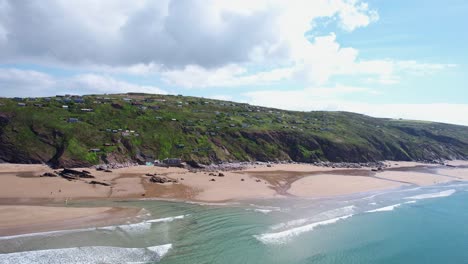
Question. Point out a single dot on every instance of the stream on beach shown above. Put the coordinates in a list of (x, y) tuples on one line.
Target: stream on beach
[(404, 225)]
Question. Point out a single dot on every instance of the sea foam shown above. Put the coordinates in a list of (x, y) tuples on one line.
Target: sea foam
[(88, 255), (166, 219), (333, 213), (388, 208), (432, 195), (287, 235), (136, 228)]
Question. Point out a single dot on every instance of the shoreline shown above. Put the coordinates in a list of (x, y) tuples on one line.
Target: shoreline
[(26, 219), (23, 184), (24, 193)]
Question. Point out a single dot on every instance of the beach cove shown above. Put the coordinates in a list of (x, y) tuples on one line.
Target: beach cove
[(34, 203)]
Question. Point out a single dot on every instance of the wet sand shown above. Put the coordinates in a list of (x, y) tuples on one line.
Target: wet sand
[(25, 197), (23, 219)]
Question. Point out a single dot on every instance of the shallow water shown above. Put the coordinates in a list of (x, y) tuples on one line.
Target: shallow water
[(412, 225)]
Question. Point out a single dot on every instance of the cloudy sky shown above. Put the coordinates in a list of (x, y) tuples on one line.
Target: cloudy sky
[(385, 58)]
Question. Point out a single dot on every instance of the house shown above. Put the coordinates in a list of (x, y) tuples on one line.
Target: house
[(18, 99), (95, 150), (86, 110), (21, 104), (73, 120), (38, 105), (127, 99), (172, 162), (65, 106), (78, 100)]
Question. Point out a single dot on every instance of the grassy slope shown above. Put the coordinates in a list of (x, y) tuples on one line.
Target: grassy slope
[(210, 131)]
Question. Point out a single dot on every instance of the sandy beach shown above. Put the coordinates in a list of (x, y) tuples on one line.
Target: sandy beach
[(23, 219), (23, 184), (26, 197)]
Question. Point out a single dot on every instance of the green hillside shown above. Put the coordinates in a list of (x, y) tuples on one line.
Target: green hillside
[(82, 131)]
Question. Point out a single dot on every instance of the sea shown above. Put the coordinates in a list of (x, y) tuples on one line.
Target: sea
[(405, 225)]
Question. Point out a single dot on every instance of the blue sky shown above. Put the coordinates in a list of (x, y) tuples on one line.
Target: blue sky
[(398, 59)]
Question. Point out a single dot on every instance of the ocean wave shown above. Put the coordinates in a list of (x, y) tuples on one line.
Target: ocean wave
[(88, 255), (333, 213), (264, 209), (385, 209), (389, 208), (166, 219), (287, 235), (135, 228), (292, 223), (211, 204), (432, 195)]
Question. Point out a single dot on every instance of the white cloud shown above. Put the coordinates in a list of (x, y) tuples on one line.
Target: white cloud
[(228, 76), (334, 99), (207, 33), (319, 61), (15, 81), (199, 43), (354, 14), (221, 97), (26, 83), (93, 83)]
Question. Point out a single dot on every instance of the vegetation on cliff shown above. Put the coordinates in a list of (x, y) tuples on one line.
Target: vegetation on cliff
[(67, 131)]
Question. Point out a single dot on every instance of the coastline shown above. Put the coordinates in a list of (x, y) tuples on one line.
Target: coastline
[(25, 219), (38, 201)]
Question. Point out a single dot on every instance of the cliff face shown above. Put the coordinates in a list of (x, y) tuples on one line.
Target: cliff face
[(139, 128)]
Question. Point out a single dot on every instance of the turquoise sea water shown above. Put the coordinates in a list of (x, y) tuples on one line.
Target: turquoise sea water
[(410, 225)]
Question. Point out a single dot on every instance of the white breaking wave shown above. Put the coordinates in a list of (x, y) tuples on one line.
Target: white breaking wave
[(263, 211), (347, 210), (211, 204), (432, 195), (166, 219), (389, 208), (385, 209), (289, 224), (88, 255), (136, 228), (285, 236)]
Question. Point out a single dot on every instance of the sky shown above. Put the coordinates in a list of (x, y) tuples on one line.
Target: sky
[(384, 58)]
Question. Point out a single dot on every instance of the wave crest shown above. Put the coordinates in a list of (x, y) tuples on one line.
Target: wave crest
[(88, 255), (286, 235), (432, 195)]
